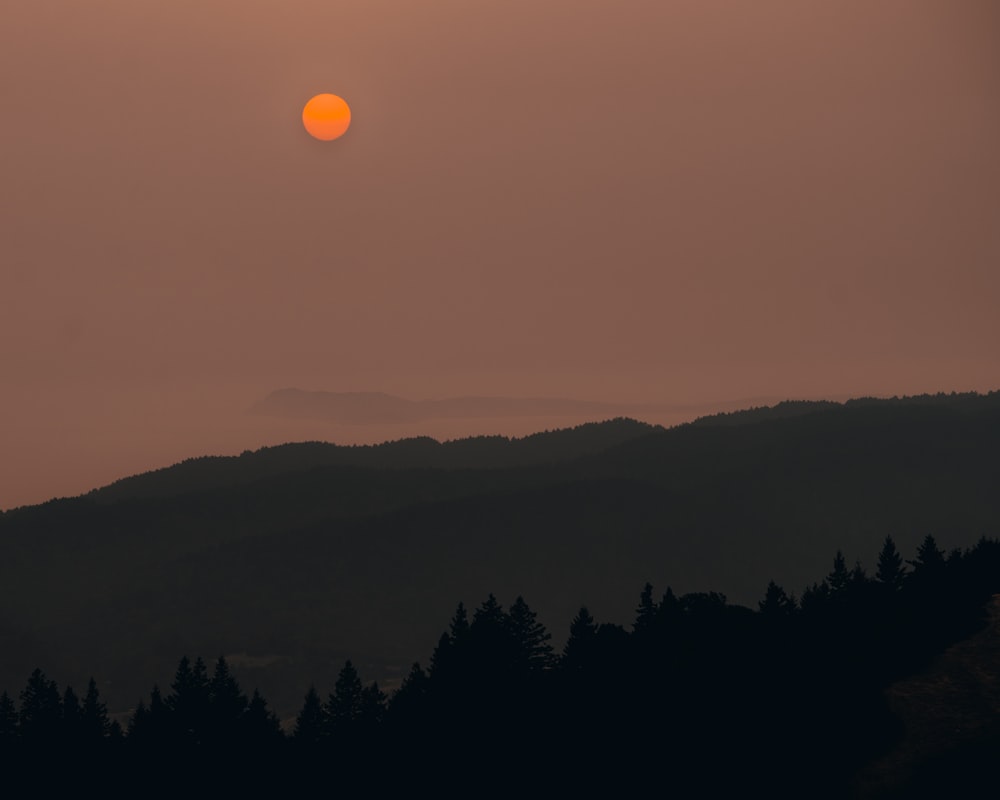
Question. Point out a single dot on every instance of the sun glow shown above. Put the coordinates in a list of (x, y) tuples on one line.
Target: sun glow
[(326, 117)]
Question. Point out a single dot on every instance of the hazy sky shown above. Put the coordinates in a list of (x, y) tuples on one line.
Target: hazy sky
[(635, 200)]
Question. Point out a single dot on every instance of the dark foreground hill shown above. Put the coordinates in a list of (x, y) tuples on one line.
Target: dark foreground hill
[(292, 559)]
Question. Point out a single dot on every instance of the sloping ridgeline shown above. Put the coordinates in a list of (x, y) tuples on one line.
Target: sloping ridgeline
[(303, 555)]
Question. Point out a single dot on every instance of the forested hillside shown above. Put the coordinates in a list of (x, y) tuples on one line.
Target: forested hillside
[(696, 696), (292, 559)]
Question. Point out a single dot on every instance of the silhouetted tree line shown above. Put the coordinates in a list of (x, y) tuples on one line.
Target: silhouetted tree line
[(698, 696)]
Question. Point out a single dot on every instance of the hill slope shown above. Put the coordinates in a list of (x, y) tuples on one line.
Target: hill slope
[(303, 555)]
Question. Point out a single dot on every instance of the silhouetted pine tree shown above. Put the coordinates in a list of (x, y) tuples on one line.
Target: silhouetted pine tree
[(40, 714), (227, 703), (645, 612), (137, 723), (310, 725), (531, 640), (930, 558), (490, 613), (151, 727), (159, 714), (815, 597), (94, 723), (373, 707), (890, 565), (776, 602), (459, 627), (188, 701), (448, 653), (260, 725), (839, 577), (670, 606), (343, 707), (491, 650), (71, 716), (411, 698), (579, 648)]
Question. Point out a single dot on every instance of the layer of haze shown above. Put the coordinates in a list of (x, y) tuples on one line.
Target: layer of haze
[(643, 201)]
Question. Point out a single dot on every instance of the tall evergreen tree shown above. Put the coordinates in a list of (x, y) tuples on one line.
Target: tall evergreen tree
[(95, 725), (71, 715), (411, 696), (490, 613), (839, 578), (227, 701), (151, 727), (530, 637), (450, 647), (343, 708), (40, 714), (890, 565), (159, 712), (310, 725), (459, 627), (443, 658), (138, 724), (491, 648), (188, 700), (260, 725), (776, 602), (815, 597), (858, 575), (645, 612), (373, 703), (580, 645), (930, 558)]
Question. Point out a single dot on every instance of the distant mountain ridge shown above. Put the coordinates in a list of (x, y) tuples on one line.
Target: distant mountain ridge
[(304, 554), (479, 452)]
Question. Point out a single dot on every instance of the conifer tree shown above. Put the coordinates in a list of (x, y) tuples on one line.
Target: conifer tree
[(150, 726), (839, 578), (373, 701), (310, 725), (450, 647), (669, 605), (530, 637), (159, 711), (580, 644), (95, 725), (776, 602), (490, 613), (260, 724), (228, 703), (890, 565), (645, 612), (188, 700), (412, 693), (459, 627), (138, 724), (41, 709), (343, 708), (71, 715), (443, 658), (816, 596), (930, 558), (491, 648)]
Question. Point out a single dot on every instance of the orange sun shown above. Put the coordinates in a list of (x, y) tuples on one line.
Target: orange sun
[(326, 117)]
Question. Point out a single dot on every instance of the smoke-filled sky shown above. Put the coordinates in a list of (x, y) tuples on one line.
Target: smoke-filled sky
[(653, 201)]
